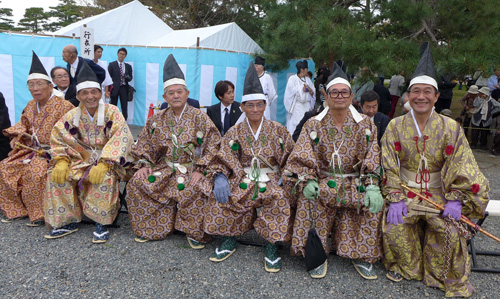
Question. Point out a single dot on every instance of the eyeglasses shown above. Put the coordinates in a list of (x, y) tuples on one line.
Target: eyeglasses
[(62, 76), (32, 85), (335, 93), (252, 106)]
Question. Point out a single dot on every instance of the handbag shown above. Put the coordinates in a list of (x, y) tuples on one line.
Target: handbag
[(315, 253), (131, 91)]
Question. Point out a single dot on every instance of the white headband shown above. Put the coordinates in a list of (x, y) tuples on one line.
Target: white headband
[(424, 80), (337, 81), (174, 81)]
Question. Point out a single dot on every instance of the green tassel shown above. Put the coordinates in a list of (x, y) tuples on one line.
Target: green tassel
[(181, 187), (343, 201), (151, 178), (316, 140), (281, 145), (200, 141), (243, 186), (367, 138), (262, 190), (235, 147), (332, 184), (152, 131), (205, 173), (361, 188)]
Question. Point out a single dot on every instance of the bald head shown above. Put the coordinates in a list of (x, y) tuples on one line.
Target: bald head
[(69, 54)]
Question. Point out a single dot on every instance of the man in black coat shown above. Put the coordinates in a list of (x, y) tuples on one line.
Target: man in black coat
[(74, 64), (4, 124), (224, 114), (63, 88), (121, 74), (369, 104)]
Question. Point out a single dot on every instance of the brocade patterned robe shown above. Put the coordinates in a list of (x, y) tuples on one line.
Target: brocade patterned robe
[(274, 144), (65, 203), (450, 158), (339, 208), (156, 207), (22, 185)]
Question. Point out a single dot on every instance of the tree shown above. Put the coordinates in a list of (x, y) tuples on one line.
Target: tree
[(65, 14), (5, 22), (34, 19)]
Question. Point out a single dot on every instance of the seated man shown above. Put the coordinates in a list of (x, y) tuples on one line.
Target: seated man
[(172, 154), (429, 153), (335, 166), (247, 171), (63, 89), (23, 173), (89, 146)]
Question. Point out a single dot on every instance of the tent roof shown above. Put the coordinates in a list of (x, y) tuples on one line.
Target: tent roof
[(225, 37), (129, 24)]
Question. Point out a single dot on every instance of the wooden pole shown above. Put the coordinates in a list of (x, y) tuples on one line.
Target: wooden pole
[(462, 217)]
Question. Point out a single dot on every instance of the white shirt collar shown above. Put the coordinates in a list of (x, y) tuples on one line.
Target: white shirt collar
[(415, 121), (256, 135), (75, 64)]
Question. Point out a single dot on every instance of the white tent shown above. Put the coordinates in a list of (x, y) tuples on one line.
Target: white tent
[(223, 37), (129, 24)]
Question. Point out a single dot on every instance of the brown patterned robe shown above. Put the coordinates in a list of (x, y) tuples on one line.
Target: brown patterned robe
[(448, 154), (156, 208), (355, 235), (239, 214), (22, 185)]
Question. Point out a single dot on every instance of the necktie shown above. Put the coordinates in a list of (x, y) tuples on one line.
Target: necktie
[(226, 120), (122, 77), (72, 70)]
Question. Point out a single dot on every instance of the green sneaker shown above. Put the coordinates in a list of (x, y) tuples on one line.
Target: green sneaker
[(319, 272), (195, 244), (272, 262), (227, 248), (364, 269)]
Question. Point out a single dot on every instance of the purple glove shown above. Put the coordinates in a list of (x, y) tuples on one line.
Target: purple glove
[(454, 209), (396, 212)]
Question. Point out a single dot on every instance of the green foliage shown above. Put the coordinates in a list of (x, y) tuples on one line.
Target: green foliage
[(5, 22), (34, 20), (65, 14)]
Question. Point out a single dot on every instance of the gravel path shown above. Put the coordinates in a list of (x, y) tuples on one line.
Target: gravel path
[(70, 267)]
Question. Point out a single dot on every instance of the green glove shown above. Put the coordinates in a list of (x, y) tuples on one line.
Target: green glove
[(373, 199), (311, 190)]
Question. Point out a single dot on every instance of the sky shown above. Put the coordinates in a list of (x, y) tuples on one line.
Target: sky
[(19, 6)]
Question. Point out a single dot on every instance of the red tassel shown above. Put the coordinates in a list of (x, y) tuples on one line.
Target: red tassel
[(151, 110)]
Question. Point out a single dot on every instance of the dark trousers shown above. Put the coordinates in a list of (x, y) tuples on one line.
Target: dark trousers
[(123, 94), (496, 142), (442, 104), (466, 124), (394, 104), (479, 135)]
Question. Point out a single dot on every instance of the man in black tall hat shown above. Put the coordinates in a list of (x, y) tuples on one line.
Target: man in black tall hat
[(248, 193), (89, 146), (335, 166), (173, 152), (23, 174), (428, 152)]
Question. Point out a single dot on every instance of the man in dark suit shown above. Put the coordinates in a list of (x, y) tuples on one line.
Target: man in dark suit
[(4, 124), (224, 114), (121, 74), (384, 96), (74, 64), (63, 89), (191, 102), (369, 104)]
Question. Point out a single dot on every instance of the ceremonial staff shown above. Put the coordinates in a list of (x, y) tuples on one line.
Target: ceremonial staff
[(462, 217)]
